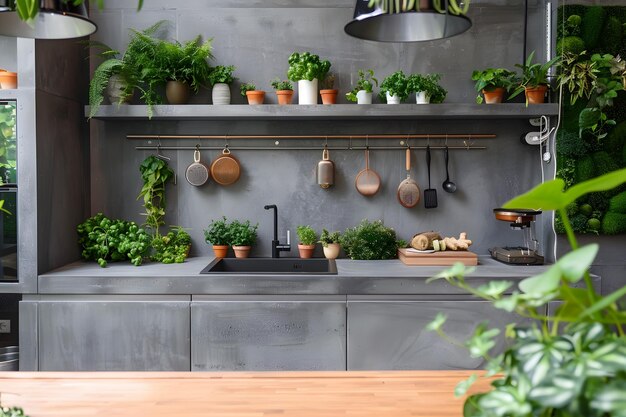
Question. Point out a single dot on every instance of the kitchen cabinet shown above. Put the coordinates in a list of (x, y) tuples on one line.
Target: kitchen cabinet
[(114, 333), (263, 333), (391, 334)]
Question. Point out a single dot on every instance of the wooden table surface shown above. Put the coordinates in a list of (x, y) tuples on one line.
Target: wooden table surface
[(302, 394)]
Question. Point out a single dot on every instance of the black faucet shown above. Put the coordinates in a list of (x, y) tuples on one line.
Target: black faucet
[(276, 245)]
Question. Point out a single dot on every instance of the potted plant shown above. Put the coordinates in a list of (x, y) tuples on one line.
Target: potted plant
[(184, 67), (284, 90), (426, 88), (307, 68), (254, 96), (493, 83), (220, 78), (330, 243), (218, 234), (307, 238), (242, 236), (362, 92), (570, 359), (173, 247), (369, 241), (327, 91), (534, 80), (8, 80), (393, 88)]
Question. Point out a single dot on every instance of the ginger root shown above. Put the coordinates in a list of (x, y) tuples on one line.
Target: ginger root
[(424, 240), (462, 243)]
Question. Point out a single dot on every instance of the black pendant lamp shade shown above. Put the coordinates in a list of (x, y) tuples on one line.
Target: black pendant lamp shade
[(372, 23), (56, 20)]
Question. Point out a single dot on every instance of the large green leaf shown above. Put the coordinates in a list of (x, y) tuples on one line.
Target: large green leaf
[(602, 183), (611, 399), (543, 283), (495, 288), (574, 265), (462, 387)]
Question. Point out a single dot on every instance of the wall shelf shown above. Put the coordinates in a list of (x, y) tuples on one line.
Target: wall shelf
[(333, 112)]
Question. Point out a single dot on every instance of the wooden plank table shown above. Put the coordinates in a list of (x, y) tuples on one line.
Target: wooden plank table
[(302, 394)]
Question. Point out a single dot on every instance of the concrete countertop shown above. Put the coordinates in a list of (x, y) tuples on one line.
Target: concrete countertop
[(390, 277)]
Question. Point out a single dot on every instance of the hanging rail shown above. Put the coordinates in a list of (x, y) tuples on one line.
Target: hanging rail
[(468, 147), (360, 136)]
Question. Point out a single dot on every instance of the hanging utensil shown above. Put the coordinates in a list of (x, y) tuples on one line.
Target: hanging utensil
[(225, 169), (197, 173), (367, 181), (448, 186), (408, 190), (325, 170), (430, 194)]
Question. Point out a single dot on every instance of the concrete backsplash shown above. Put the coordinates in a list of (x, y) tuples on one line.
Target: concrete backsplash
[(258, 37)]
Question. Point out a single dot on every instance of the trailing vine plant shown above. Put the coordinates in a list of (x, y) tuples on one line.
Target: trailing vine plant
[(155, 174)]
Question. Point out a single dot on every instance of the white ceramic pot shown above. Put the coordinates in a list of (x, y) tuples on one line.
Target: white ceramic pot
[(115, 89), (392, 99), (422, 98), (307, 91), (221, 94), (364, 97)]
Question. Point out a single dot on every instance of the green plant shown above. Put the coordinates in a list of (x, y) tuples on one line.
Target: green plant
[(571, 362), (570, 45), (395, 85), (11, 411), (365, 82), (328, 83), (222, 74), (534, 75), (429, 84), (491, 78), (279, 85), (369, 241), (327, 238), (591, 25), (441, 6), (306, 235), (155, 173), (103, 239), (8, 143), (245, 87), (183, 62), (218, 232), (172, 247), (28, 9), (243, 233), (306, 66)]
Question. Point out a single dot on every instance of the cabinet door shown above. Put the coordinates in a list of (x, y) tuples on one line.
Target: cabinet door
[(388, 335), (114, 334), (268, 335)]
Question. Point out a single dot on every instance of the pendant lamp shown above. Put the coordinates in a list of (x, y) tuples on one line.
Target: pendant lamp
[(427, 24), (56, 20)]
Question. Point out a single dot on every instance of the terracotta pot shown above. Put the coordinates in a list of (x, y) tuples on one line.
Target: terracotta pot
[(242, 251), (332, 250), (8, 80), (115, 91), (329, 96), (306, 251), (220, 251), (536, 95), (284, 97), (494, 96), (255, 96), (177, 92)]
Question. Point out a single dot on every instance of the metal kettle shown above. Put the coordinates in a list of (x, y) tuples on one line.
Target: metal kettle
[(325, 170)]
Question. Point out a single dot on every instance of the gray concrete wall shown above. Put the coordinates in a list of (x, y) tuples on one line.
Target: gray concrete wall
[(8, 53), (258, 37)]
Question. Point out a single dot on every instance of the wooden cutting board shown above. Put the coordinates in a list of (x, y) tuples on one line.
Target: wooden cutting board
[(445, 258)]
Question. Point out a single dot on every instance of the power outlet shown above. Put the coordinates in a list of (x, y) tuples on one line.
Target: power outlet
[(5, 326)]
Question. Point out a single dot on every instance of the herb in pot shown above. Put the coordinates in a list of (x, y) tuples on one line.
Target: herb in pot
[(172, 247), (243, 233), (245, 87), (218, 232), (533, 75), (428, 84), (369, 241), (306, 235), (395, 85), (155, 173), (307, 66), (103, 240), (365, 83), (328, 83), (326, 238), (279, 85), (222, 74), (568, 362), (492, 78)]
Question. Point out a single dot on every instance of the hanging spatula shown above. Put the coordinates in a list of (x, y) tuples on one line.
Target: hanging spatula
[(430, 194)]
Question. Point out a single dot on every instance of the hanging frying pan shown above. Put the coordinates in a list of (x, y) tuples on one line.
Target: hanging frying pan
[(225, 170), (408, 190), (367, 181)]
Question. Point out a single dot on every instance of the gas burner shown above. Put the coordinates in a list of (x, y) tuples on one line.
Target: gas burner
[(520, 219)]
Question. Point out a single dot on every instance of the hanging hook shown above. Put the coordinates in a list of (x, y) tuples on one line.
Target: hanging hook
[(158, 149), (326, 142), (446, 139), (367, 141)]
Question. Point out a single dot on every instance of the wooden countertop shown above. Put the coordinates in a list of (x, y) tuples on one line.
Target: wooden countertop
[(302, 394)]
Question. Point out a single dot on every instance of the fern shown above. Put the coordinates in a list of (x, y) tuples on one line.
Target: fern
[(99, 82)]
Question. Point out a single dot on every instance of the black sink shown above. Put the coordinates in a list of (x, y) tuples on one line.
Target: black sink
[(271, 266)]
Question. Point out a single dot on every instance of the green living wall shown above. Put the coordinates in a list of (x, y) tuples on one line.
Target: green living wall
[(592, 138)]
